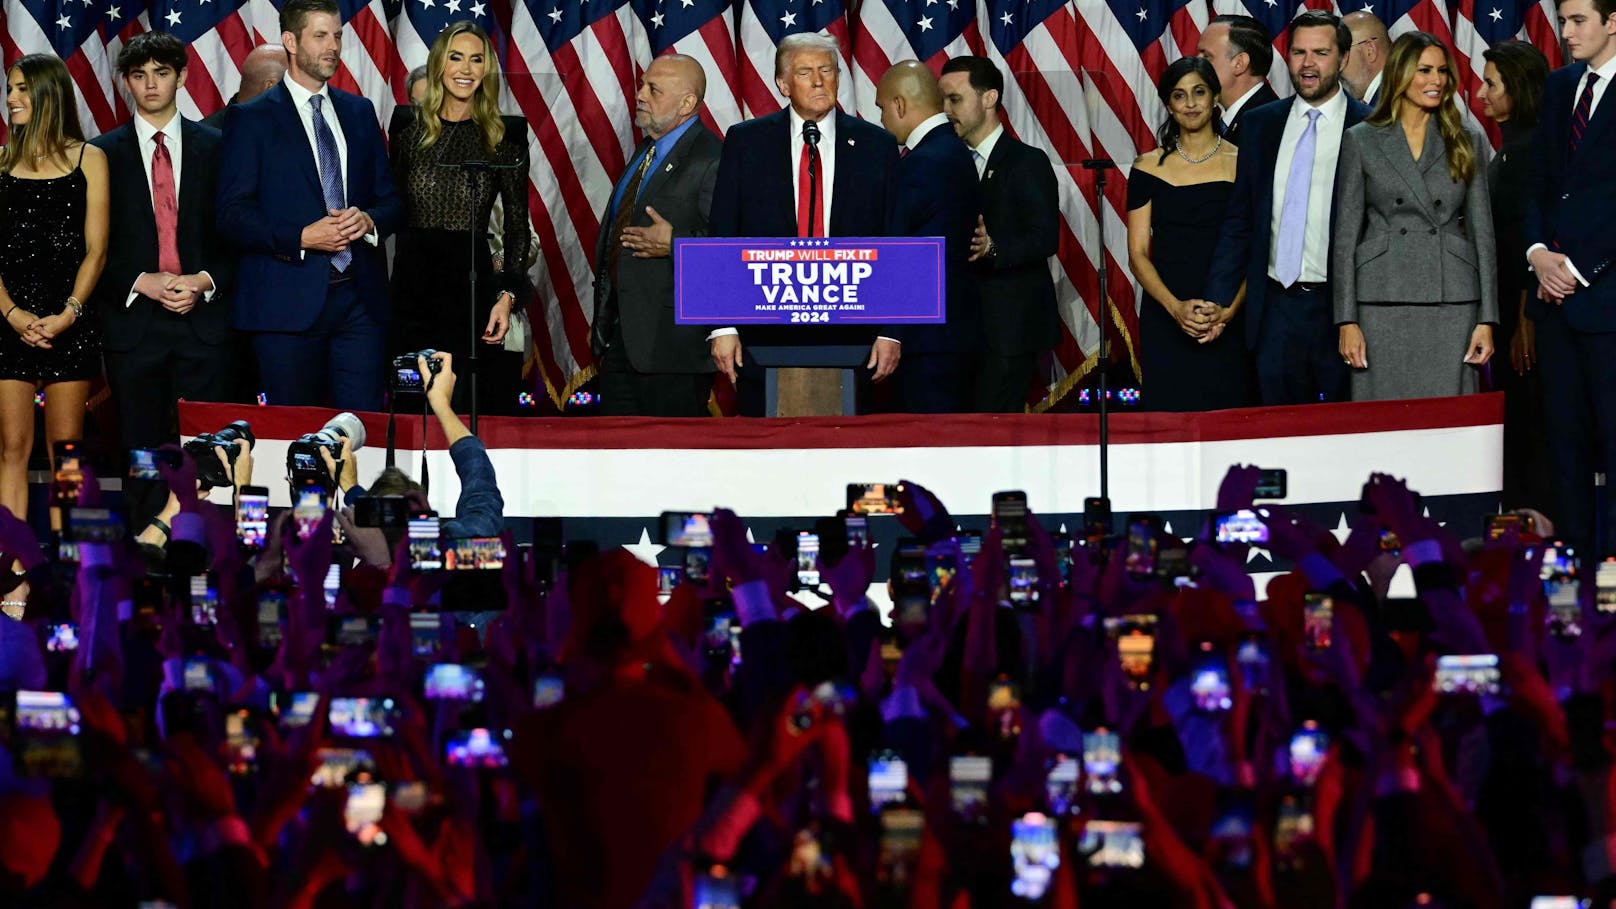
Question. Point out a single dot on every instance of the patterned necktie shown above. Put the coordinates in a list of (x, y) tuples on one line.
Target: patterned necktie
[(165, 208), (1585, 106), (325, 149), (980, 162), (1293, 217), (625, 210)]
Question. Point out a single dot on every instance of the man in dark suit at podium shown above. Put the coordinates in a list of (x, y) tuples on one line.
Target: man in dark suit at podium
[(765, 189), (649, 366), (937, 196), (1019, 229), (163, 291)]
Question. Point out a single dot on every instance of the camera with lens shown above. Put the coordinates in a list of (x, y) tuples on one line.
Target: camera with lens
[(209, 472), (303, 462), (407, 378)]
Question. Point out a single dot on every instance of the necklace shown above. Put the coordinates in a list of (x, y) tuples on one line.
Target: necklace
[(1180, 150)]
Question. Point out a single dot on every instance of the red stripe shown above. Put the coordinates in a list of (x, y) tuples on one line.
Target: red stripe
[(101, 112), (233, 34), (199, 83), (867, 52), (1088, 55), (590, 110), (372, 34), (1540, 30), (890, 431), (719, 37)]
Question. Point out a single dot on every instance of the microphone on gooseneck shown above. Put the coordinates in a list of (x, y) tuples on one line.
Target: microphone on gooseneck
[(810, 134)]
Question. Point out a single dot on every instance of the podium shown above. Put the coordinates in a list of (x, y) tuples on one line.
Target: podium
[(809, 380)]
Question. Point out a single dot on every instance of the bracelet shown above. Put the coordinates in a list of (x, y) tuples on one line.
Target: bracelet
[(13, 309), (77, 305), (161, 525)]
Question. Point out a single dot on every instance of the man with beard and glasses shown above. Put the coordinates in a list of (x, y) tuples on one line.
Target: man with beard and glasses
[(1276, 236), (306, 196)]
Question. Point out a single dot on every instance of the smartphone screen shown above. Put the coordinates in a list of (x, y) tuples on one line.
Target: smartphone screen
[(62, 638), (902, 830), (308, 511), (453, 682), (1113, 844), (1060, 786), (1243, 526), (69, 480), (204, 602), (362, 814), (968, 779), (426, 543), (271, 610), (889, 780), (476, 748), (1209, 682), (338, 766), (299, 709), (1102, 761), (1140, 557), (1096, 519), (1010, 516), (1468, 674), (1034, 855), (1308, 749), (858, 529), (1252, 657), (197, 677), (94, 525), (240, 744), (1318, 619), (143, 464), (716, 889), (332, 585), (687, 528), (426, 634), (362, 718), (1023, 581), (47, 730), (808, 559), (474, 554), (252, 517), (351, 630), (873, 498), (1605, 586), (1135, 639), (1272, 483), (548, 690)]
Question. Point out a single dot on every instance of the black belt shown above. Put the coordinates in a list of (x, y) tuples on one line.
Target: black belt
[(1306, 287), (334, 277)]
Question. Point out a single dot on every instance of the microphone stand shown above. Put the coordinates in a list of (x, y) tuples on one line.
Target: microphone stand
[(1100, 166), (474, 231)]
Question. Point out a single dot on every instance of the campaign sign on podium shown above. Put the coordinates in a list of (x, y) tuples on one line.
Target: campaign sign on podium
[(813, 281)]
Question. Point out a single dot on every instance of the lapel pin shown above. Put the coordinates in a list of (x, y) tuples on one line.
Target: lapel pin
[(849, 141), (668, 168), (990, 175)]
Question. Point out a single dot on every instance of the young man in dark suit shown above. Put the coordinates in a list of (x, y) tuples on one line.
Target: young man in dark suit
[(937, 196), (163, 292), (764, 190), (1241, 52), (1276, 237), (1572, 248), (1016, 234), (306, 195), (650, 366)]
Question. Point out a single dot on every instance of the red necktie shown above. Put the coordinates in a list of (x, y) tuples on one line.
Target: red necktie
[(166, 209), (810, 192), (1585, 104)]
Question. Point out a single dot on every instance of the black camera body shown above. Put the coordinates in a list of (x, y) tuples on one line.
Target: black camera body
[(406, 375), (303, 462), (209, 472)]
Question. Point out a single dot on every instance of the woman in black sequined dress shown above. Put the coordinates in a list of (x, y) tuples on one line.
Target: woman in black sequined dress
[(53, 241), (459, 121)]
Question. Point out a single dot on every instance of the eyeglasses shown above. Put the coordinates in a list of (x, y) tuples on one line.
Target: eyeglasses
[(1366, 41)]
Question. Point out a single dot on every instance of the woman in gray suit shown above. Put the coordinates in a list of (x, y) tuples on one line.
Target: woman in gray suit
[(1413, 263)]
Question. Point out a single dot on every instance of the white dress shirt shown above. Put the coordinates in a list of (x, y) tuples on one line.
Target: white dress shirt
[(924, 128), (1326, 150), (1233, 110), (305, 115), (146, 141), (1374, 86), (1606, 73), (985, 151)]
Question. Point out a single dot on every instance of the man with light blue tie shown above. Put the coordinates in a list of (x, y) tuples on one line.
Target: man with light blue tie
[(1276, 236), (306, 195)]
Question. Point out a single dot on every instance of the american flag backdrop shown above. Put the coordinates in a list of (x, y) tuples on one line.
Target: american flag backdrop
[(1080, 83)]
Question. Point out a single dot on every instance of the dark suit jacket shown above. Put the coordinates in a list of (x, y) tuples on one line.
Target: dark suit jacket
[(1021, 208), (133, 248), (681, 191), (1570, 198), (938, 196), (269, 190), (1242, 251), (1265, 95)]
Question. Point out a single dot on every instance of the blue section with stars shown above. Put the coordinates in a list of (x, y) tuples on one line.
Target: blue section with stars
[(1144, 20), (1388, 11), (1275, 15), (429, 17), (70, 23), (931, 25), (189, 20), (669, 21), (788, 17), (1011, 21), (560, 21), (1500, 20)]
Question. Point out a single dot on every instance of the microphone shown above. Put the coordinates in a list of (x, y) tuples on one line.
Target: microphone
[(810, 134)]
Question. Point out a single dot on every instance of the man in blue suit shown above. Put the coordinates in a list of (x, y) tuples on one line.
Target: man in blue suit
[(306, 195), (1276, 237), (764, 189), (938, 195), (1572, 249)]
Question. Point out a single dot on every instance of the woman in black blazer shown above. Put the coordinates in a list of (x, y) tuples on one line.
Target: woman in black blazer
[(1512, 90)]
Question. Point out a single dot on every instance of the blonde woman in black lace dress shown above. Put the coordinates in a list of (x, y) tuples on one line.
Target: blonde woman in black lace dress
[(53, 244), (459, 121)]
